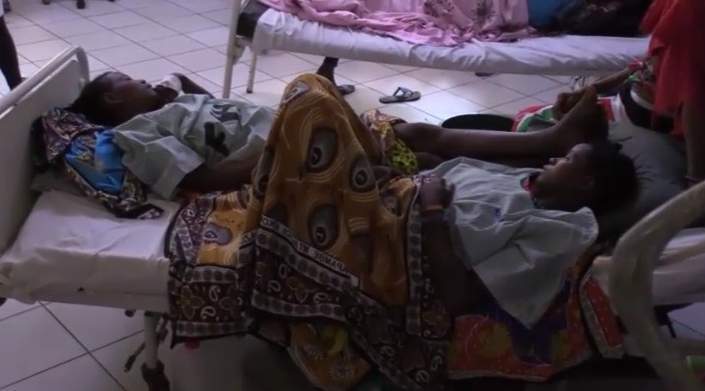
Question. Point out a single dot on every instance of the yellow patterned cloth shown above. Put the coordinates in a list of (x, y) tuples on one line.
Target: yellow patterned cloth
[(396, 153), (326, 259)]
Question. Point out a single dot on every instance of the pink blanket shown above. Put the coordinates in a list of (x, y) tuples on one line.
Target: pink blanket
[(434, 22)]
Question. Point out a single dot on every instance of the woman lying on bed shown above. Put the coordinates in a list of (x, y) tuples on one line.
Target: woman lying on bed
[(196, 142), (348, 257)]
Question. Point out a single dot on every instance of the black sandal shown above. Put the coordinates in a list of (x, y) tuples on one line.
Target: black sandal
[(402, 94), (346, 89)]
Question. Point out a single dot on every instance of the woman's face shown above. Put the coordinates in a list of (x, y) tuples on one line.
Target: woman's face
[(567, 181), (129, 97)]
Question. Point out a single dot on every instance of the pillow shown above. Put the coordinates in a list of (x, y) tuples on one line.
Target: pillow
[(661, 165)]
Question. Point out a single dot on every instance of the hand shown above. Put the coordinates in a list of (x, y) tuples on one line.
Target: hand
[(435, 194), (565, 102)]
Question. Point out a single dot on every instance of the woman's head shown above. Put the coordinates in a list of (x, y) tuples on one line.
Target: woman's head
[(113, 98), (596, 175)]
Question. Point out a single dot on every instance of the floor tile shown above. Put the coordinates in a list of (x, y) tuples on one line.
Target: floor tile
[(200, 369), (151, 70), (98, 40), (47, 13), (267, 93), (240, 75), (189, 23), (363, 99), (94, 7), (30, 34), (106, 325), (692, 316), (73, 27), (81, 374), (209, 86), (222, 18), (211, 37), (551, 95), (282, 65), (14, 307), (123, 55), (27, 70), (200, 60), (442, 78), (363, 71), (401, 68), (119, 19), (42, 50), (444, 105), (203, 6), (561, 79), (514, 107), (96, 65), (145, 32), (132, 4), (162, 10), (35, 341), (485, 93), (683, 331), (172, 45), (15, 20), (311, 58), (409, 113), (22, 60), (389, 85), (525, 84)]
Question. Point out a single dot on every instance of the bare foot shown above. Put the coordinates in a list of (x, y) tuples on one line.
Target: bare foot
[(584, 123)]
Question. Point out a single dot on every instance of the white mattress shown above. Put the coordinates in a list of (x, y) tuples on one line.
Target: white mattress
[(71, 249), (564, 55)]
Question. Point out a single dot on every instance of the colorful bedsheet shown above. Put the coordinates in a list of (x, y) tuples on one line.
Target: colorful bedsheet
[(434, 22), (321, 259)]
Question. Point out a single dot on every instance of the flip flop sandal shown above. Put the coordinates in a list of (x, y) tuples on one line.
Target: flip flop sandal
[(346, 89), (401, 95)]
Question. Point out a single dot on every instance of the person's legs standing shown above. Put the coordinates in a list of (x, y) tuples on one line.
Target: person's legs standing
[(8, 56)]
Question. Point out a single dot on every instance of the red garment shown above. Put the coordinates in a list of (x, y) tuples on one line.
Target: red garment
[(678, 46)]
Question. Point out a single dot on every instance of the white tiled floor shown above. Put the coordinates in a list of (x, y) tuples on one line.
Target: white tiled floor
[(69, 347)]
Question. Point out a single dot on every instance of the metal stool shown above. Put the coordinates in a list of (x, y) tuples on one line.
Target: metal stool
[(80, 4)]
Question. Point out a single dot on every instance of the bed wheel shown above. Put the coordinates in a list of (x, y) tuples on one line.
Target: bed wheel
[(155, 378), (81, 4), (2, 301)]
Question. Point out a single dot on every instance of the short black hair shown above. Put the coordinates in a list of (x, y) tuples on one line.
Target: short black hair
[(616, 181), (90, 102)]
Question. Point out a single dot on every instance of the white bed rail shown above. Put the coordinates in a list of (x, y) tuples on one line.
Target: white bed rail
[(50, 67), (631, 278)]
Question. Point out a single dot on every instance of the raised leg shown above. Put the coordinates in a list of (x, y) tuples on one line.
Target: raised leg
[(584, 123)]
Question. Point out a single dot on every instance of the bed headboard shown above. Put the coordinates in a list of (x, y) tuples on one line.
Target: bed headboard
[(57, 83)]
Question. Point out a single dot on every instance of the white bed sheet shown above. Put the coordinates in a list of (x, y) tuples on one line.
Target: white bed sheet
[(71, 249), (563, 55)]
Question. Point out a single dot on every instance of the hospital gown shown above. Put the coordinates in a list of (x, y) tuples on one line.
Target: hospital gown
[(518, 250), (163, 146)]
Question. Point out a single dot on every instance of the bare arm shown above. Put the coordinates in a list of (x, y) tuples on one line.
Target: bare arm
[(190, 87), (223, 177)]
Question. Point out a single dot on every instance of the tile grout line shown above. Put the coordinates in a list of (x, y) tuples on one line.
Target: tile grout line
[(88, 351), (5, 387), (38, 305)]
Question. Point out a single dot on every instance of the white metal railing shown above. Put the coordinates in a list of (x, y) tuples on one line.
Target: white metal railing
[(631, 279), (50, 67)]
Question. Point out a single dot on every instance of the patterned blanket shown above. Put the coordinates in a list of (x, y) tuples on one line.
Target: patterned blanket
[(324, 260)]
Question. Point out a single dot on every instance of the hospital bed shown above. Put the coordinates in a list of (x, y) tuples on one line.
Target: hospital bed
[(260, 28), (61, 247)]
